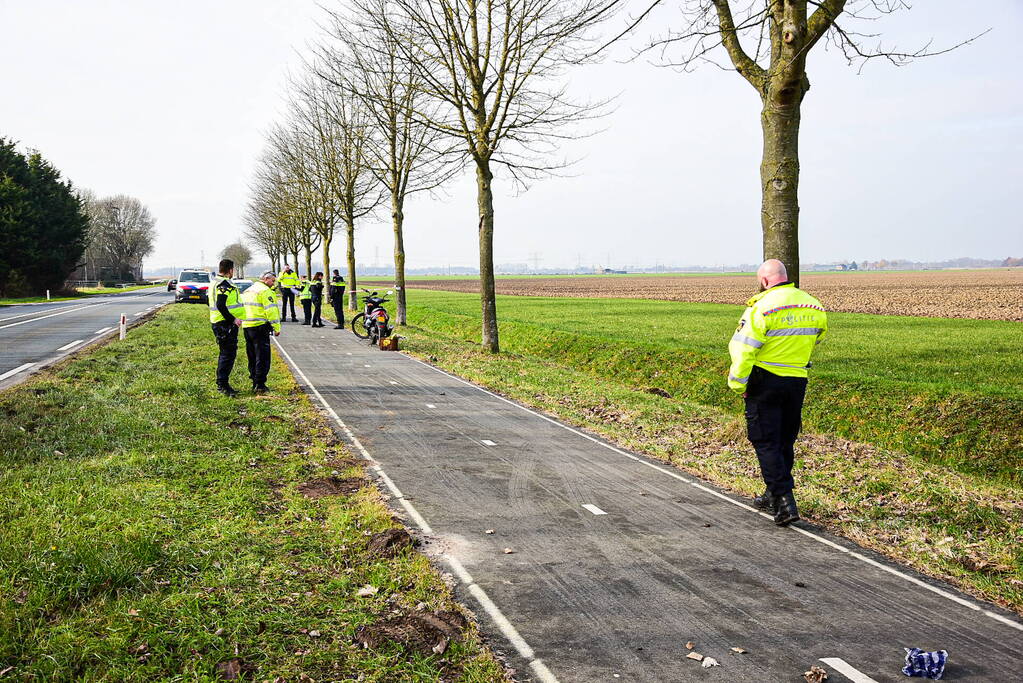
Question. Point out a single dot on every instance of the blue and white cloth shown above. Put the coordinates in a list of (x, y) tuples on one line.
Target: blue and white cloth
[(920, 664)]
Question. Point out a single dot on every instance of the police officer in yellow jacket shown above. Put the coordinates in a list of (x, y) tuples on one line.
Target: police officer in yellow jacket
[(288, 280), (305, 296), (262, 319), (770, 353), (225, 318)]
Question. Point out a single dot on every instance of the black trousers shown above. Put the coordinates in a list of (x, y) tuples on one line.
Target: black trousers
[(338, 304), (774, 415), (257, 348), (307, 309), (317, 308), (287, 296), (226, 334)]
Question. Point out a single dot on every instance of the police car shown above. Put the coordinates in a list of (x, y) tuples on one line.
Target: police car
[(193, 286)]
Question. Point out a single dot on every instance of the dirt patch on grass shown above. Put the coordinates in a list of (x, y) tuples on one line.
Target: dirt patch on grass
[(330, 486), (389, 543), (426, 633)]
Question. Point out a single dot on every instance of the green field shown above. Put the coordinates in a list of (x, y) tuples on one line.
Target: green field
[(151, 529), (912, 439)]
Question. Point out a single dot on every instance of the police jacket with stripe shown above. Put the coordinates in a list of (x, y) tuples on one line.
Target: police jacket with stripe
[(777, 332)]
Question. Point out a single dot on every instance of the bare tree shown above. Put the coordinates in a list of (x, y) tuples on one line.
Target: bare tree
[(496, 68), (767, 42), (240, 254), (122, 232), (404, 154)]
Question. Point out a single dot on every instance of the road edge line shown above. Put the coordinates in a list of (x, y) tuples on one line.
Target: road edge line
[(507, 629)]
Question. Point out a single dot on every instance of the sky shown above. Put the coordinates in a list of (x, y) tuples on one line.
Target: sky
[(169, 102)]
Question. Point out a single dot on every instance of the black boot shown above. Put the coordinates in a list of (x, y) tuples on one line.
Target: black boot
[(764, 502), (260, 389), (227, 390), (785, 510), (339, 327)]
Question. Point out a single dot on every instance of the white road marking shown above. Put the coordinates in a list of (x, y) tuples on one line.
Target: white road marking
[(487, 442), (105, 329), (51, 315), (594, 509), (844, 668), (809, 534), (510, 632), (15, 371), (430, 405), (68, 346), (393, 382)]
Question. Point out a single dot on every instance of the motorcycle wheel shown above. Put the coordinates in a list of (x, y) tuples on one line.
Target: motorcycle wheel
[(358, 329)]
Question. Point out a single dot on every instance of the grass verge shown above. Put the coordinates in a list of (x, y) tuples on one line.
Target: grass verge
[(80, 293), (958, 524), (151, 529)]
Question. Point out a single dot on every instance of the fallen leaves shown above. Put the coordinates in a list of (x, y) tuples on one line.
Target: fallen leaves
[(695, 655), (738, 651), (508, 551)]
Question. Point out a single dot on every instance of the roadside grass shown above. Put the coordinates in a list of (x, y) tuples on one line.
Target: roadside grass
[(151, 529), (946, 391), (80, 293), (961, 524)]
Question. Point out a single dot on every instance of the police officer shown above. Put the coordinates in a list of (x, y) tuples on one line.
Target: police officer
[(288, 279), (305, 295), (316, 290), (262, 319), (336, 294), (225, 318), (770, 353)]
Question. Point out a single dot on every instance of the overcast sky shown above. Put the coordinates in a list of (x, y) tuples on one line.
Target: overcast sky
[(168, 102)]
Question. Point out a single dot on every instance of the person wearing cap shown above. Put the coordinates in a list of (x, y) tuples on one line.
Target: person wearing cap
[(288, 280), (225, 318), (262, 320), (770, 354), (316, 296), (336, 296)]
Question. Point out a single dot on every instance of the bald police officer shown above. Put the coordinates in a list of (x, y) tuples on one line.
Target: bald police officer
[(770, 353)]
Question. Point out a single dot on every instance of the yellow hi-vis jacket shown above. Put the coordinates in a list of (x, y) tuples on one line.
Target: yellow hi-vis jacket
[(261, 307), (304, 286), (287, 279), (777, 332), (223, 285)]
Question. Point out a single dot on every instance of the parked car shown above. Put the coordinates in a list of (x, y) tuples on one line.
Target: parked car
[(172, 285), (193, 286), (242, 284)]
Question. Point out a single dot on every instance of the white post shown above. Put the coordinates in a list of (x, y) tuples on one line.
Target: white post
[(124, 325), (47, 295)]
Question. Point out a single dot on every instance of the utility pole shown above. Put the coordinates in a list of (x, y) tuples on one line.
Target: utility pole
[(534, 256)]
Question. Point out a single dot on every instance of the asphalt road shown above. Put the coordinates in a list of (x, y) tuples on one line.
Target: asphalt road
[(34, 335), (618, 560)]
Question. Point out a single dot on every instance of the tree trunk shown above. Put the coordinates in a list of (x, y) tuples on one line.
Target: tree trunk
[(779, 180), (327, 238), (353, 299), (295, 266), (308, 263), (488, 294), (398, 217)]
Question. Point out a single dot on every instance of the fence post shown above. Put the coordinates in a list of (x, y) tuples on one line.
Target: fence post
[(47, 295), (124, 325)]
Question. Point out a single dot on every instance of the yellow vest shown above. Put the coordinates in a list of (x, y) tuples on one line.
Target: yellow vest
[(223, 285), (261, 307), (777, 332), (287, 279)]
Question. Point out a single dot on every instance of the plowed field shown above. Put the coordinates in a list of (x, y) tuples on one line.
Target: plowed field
[(980, 294)]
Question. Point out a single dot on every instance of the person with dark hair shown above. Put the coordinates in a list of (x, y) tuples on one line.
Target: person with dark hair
[(316, 292), (225, 318), (305, 297), (262, 321), (336, 296), (288, 282)]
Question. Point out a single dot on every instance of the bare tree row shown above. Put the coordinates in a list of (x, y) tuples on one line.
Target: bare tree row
[(400, 95)]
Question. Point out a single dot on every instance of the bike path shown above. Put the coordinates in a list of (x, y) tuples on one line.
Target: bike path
[(618, 560)]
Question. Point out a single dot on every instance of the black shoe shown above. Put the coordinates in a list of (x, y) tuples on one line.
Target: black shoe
[(228, 391), (339, 327), (305, 323), (764, 501), (294, 320), (785, 510), (260, 389)]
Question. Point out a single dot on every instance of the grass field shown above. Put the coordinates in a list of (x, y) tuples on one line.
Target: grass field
[(914, 424), (81, 293), (151, 529)]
